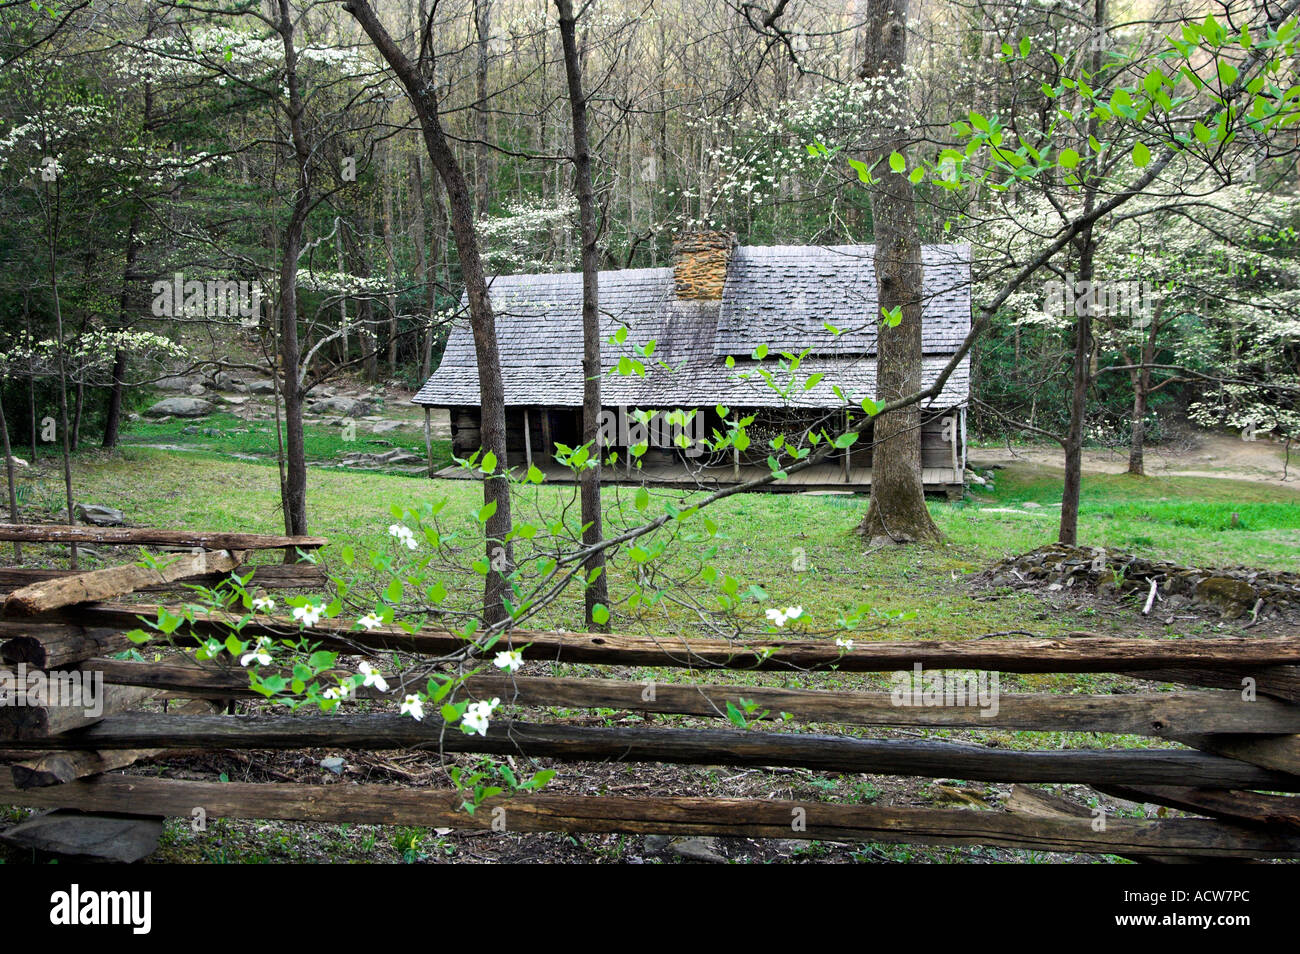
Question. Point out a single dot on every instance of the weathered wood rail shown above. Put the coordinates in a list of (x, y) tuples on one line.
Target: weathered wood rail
[(1236, 765)]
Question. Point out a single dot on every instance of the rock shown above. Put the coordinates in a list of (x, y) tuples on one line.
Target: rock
[(345, 406), (1030, 505), (333, 764), (175, 382), (1233, 597), (697, 849), (16, 461), (232, 399), (195, 390), (261, 386), (656, 843), (100, 516), (383, 427), (388, 458), (225, 381), (181, 407), (119, 838)]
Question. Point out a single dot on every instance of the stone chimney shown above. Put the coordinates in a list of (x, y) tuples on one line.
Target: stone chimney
[(700, 264)]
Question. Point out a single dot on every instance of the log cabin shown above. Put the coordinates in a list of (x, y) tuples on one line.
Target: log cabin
[(726, 323)]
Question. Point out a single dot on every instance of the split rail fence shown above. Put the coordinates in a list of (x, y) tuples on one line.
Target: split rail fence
[(1234, 774)]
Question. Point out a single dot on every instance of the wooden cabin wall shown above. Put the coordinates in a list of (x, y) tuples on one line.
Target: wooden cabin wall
[(564, 425)]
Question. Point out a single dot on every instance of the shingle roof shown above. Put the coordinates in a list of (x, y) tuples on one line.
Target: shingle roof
[(778, 296), (784, 297)]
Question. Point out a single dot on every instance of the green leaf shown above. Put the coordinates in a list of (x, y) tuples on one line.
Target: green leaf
[(486, 511), (897, 162), (861, 168), (1141, 155), (736, 717), (393, 592), (1068, 158), (1025, 46), (642, 498), (600, 614), (916, 175)]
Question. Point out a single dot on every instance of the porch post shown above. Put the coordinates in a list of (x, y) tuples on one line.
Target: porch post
[(528, 439), (428, 440), (847, 468)]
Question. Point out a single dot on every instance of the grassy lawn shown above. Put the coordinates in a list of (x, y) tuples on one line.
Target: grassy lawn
[(226, 435), (798, 548)]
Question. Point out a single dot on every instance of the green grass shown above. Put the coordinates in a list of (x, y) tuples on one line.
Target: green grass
[(762, 537), (1185, 519), (226, 435)]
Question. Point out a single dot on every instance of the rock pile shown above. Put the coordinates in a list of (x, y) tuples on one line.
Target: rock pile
[(1232, 591)]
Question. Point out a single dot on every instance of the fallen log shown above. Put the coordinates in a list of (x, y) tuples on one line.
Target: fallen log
[(1073, 654), (597, 814), (59, 768), (1280, 682), (1030, 801), (115, 581), (684, 746), (269, 576), (51, 711), (58, 645), (1280, 753), (149, 536), (1247, 808), (1159, 714)]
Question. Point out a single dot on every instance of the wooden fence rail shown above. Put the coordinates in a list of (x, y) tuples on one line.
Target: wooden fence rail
[(1238, 751)]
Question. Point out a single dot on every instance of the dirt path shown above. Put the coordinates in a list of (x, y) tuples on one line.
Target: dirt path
[(1205, 455)]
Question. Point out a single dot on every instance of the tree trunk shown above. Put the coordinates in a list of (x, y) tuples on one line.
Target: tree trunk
[(113, 419), (77, 407), (420, 236), (293, 490), (482, 154), (897, 512), (597, 590), (1138, 433), (422, 91), (9, 476), (31, 375), (354, 246), (1083, 343), (1081, 378), (392, 263)]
